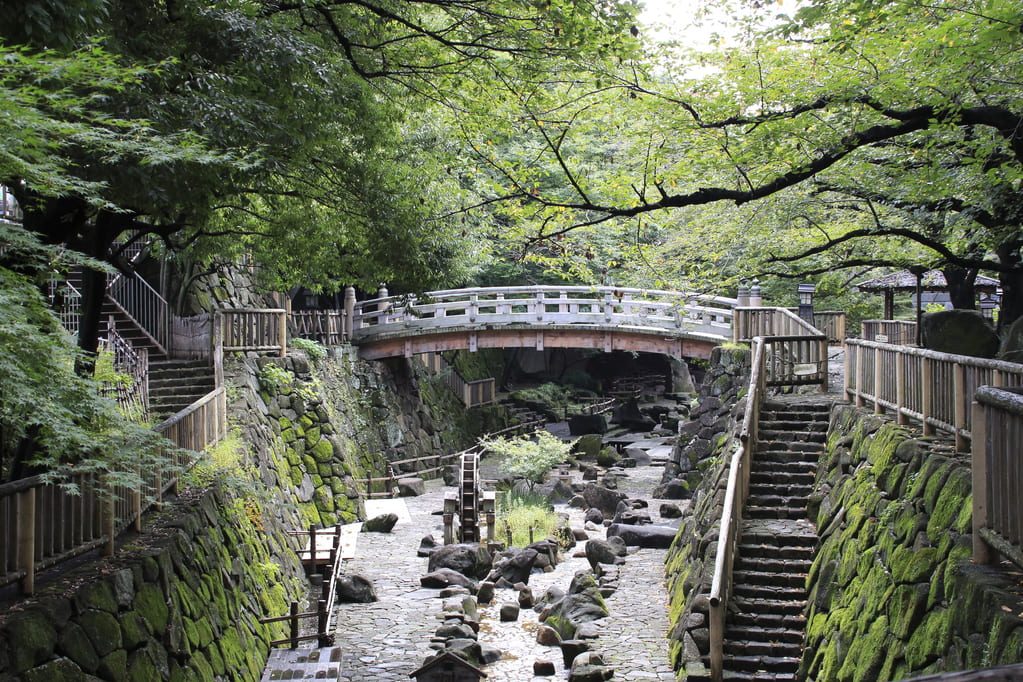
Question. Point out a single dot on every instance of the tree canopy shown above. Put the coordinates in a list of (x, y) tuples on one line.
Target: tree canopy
[(872, 132)]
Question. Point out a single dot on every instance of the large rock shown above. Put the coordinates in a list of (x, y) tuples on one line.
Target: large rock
[(411, 487), (1012, 343), (589, 667), (380, 524), (963, 332), (643, 536), (600, 552), (469, 559), (602, 497), (582, 424), (582, 604), (355, 588), (514, 565), (443, 577)]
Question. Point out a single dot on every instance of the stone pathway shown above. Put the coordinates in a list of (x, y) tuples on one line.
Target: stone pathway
[(388, 639)]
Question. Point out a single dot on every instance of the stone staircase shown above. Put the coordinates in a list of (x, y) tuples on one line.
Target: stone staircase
[(176, 384), (766, 619)]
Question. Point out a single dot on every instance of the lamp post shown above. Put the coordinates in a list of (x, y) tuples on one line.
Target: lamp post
[(806, 302)]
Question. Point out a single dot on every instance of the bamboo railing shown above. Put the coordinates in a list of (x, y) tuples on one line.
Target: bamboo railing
[(935, 389), (997, 475)]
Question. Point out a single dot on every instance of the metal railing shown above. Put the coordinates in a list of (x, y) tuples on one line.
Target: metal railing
[(997, 475), (143, 304), (545, 306), (133, 395), (929, 387), (896, 332)]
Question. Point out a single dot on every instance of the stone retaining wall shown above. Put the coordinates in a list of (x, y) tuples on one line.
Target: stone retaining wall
[(893, 591), (706, 440), (182, 602)]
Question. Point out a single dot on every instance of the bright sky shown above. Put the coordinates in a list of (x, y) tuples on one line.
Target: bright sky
[(674, 19)]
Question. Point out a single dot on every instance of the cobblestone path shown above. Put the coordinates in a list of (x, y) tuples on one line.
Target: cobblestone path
[(388, 639)]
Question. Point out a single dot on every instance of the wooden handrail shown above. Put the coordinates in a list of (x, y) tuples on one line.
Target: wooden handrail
[(997, 476), (736, 493)]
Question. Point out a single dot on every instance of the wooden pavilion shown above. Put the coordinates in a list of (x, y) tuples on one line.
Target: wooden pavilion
[(906, 281)]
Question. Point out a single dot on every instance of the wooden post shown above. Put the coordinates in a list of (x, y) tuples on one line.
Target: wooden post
[(982, 552), (321, 623), (860, 376), (282, 327), (926, 394), (960, 406), (293, 644), (26, 544), (848, 380), (825, 369), (108, 512), (900, 390), (878, 376)]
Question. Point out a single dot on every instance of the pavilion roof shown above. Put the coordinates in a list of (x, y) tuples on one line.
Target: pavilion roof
[(932, 280)]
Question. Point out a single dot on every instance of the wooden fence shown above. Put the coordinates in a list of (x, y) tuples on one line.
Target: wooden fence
[(254, 329), (796, 352), (997, 419), (935, 389), (477, 393), (831, 323), (324, 326), (897, 332), (748, 323), (436, 462)]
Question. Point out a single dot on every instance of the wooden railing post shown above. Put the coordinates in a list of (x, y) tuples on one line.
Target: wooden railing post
[(900, 391), (878, 377), (961, 402), (927, 394), (282, 327), (26, 544), (825, 373), (108, 521), (982, 552), (293, 620)]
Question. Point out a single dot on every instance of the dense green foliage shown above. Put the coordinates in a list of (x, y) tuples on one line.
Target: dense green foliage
[(843, 137), (529, 457)]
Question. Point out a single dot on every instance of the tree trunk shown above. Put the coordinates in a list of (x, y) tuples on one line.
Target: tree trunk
[(1011, 281), (961, 286)]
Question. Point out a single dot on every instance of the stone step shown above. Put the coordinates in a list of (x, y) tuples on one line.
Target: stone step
[(778, 539), (782, 487), (794, 476), (792, 435), (758, 578), (777, 501), (769, 592), (769, 454), (180, 384), (759, 676), (787, 512), (736, 646), (758, 664), (793, 425), (772, 565), (759, 605), (772, 551), (794, 622)]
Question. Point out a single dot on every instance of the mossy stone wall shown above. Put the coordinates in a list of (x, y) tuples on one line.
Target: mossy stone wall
[(182, 603), (893, 593), (710, 435), (316, 426)]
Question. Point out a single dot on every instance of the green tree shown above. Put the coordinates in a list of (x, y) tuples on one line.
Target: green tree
[(530, 457), (918, 103)]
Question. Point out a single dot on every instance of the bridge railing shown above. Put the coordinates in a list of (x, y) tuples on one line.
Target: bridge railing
[(997, 418), (929, 387), (543, 305)]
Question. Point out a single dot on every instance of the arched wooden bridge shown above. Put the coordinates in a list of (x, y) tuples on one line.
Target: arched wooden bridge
[(539, 317)]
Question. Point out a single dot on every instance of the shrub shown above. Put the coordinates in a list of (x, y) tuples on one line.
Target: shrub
[(529, 457)]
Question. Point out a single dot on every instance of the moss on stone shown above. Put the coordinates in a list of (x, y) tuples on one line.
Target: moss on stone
[(114, 666), (906, 608), (909, 566), (76, 645), (930, 639), (103, 629), (322, 451), (32, 637), (955, 496), (867, 654)]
